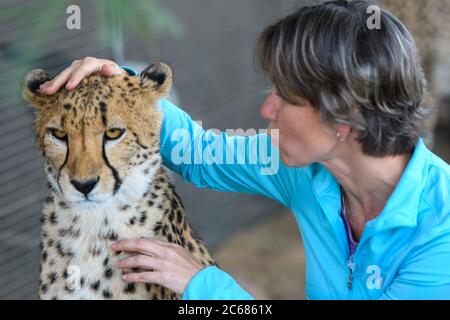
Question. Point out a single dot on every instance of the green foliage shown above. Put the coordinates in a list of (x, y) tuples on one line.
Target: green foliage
[(146, 19)]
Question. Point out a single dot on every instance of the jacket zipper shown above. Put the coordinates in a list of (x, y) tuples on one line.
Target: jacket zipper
[(351, 267)]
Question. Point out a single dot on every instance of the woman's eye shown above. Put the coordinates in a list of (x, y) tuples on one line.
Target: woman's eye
[(113, 134), (58, 134)]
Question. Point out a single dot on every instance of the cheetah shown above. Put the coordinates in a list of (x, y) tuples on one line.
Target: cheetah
[(106, 183)]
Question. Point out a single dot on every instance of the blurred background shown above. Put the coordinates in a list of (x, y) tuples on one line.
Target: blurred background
[(209, 44)]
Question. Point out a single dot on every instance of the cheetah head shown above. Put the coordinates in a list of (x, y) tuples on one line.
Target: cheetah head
[(100, 141)]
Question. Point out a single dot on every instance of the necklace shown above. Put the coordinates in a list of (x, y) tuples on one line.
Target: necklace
[(352, 248)]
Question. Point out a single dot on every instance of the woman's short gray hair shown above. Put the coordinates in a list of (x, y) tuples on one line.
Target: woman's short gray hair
[(370, 79)]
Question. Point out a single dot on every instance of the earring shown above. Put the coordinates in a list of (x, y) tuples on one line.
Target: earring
[(339, 136)]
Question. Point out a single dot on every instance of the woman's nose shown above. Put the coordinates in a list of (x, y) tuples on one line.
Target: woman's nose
[(269, 107)]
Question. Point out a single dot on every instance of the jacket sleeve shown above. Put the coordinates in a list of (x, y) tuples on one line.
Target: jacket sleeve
[(245, 164), (211, 283), (426, 274)]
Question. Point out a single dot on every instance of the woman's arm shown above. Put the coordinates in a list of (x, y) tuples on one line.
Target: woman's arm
[(221, 162), (245, 164)]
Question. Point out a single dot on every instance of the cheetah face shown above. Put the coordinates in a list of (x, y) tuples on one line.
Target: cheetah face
[(102, 139)]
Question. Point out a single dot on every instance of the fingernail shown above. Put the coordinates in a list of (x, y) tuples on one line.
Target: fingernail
[(125, 277), (114, 245), (43, 86)]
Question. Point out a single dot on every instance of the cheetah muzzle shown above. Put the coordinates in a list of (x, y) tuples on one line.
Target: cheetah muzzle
[(100, 143)]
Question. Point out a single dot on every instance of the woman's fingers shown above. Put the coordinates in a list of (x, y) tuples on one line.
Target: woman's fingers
[(173, 266), (144, 277), (88, 67), (144, 246), (109, 70), (140, 261), (52, 86), (78, 70)]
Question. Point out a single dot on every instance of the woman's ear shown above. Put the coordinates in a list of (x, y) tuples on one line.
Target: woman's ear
[(156, 80), (30, 88)]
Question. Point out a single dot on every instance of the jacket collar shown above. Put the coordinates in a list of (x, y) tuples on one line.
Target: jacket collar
[(402, 207)]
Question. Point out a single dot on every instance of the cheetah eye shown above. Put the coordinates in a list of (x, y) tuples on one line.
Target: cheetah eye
[(114, 133), (58, 134)]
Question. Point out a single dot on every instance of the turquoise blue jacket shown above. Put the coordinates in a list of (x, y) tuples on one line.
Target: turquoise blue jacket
[(404, 253)]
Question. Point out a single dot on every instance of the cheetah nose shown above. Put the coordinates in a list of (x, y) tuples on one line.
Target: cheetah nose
[(85, 186)]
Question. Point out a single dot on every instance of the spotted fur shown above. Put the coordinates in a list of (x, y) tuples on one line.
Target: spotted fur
[(103, 190)]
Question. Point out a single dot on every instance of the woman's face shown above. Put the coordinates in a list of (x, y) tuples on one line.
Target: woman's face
[(303, 139)]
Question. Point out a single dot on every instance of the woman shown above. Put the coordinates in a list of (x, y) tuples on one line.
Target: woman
[(372, 203)]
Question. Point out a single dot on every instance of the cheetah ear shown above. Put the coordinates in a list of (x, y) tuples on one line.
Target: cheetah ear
[(156, 80), (30, 88)]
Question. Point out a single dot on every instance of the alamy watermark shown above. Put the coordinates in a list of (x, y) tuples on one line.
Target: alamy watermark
[(234, 146), (374, 20), (374, 281), (73, 280), (73, 21)]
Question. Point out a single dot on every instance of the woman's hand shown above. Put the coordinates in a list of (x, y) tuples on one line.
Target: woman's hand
[(166, 264), (78, 70)]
